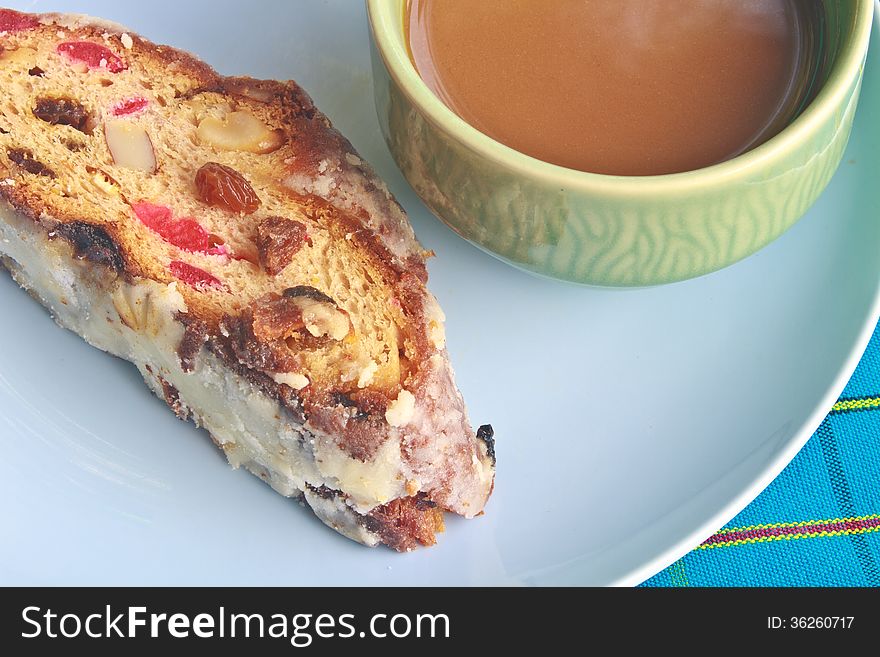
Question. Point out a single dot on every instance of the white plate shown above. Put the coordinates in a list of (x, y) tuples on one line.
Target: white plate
[(630, 424)]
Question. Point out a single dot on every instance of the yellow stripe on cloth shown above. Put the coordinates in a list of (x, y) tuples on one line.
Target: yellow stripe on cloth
[(860, 404), (789, 531)]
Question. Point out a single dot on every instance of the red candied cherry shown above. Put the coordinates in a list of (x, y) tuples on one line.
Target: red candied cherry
[(93, 55), (15, 21), (195, 277), (185, 233), (130, 106)]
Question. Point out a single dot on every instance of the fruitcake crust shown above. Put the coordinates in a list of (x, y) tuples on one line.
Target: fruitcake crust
[(224, 237)]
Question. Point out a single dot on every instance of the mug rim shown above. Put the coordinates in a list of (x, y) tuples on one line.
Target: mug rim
[(386, 16)]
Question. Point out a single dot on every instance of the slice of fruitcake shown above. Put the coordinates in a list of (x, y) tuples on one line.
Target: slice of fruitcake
[(222, 236)]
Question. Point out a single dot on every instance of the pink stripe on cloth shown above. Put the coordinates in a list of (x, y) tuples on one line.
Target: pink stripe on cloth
[(809, 529)]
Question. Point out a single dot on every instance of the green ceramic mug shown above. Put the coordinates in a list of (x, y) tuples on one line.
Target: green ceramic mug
[(617, 230)]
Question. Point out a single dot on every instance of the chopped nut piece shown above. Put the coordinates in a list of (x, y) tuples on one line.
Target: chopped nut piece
[(295, 380), (322, 319), (239, 131), (129, 313), (104, 182), (253, 89), (130, 146), (282, 317), (401, 410), (366, 375)]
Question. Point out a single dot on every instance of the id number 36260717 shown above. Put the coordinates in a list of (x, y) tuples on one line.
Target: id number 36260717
[(810, 623)]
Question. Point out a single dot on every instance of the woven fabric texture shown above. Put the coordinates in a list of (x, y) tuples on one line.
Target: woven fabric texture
[(818, 523)]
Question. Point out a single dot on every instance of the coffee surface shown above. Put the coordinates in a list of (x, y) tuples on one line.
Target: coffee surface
[(625, 87)]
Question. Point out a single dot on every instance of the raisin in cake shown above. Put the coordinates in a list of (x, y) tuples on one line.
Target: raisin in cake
[(222, 236)]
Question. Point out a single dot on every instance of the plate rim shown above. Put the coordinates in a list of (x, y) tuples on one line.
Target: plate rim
[(771, 471), (641, 573), (645, 567)]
